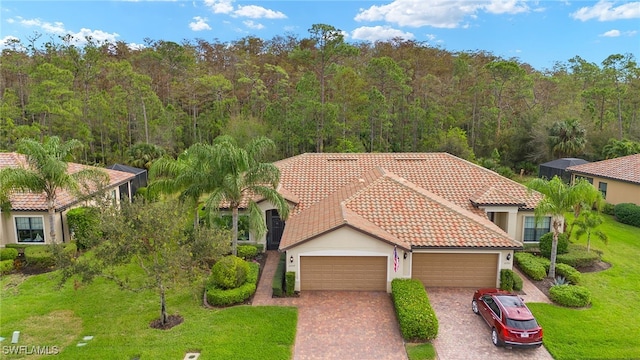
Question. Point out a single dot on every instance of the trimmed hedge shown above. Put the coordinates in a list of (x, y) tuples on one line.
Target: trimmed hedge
[(247, 252), (85, 222), (290, 282), (569, 273), (277, 285), (229, 272), (6, 266), (570, 295), (8, 254), (627, 213), (547, 239), (534, 266), (41, 256), (579, 257), (510, 281), (225, 297), (416, 317)]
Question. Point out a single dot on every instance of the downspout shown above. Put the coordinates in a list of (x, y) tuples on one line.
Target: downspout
[(62, 226)]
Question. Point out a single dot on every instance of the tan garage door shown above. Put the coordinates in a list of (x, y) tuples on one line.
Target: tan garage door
[(456, 270), (355, 273)]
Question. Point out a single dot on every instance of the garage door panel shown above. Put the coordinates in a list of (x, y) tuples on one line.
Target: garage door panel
[(362, 273), (455, 270)]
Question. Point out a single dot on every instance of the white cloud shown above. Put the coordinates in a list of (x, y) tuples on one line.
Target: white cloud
[(437, 13), (14, 41), (220, 6), (58, 28), (199, 24), (606, 11), (611, 33), (253, 25), (379, 33), (258, 12)]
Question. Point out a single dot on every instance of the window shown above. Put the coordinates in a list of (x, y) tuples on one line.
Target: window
[(30, 229), (603, 189), (533, 231), (492, 305)]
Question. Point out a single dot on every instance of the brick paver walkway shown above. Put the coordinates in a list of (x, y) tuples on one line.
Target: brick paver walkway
[(338, 324)]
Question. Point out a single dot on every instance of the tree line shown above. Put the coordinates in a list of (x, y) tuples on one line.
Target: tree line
[(317, 93)]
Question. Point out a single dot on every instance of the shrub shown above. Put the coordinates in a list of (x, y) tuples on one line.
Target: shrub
[(517, 282), (570, 295), (6, 266), (85, 222), (568, 272), (229, 272), (579, 257), (290, 281), (627, 213), (8, 254), (506, 279), (547, 239), (39, 256), (247, 252), (277, 285), (416, 317), (608, 209), (225, 297), (534, 266)]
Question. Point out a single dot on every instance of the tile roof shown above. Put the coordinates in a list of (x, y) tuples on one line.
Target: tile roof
[(394, 210), (25, 201), (413, 199), (626, 168)]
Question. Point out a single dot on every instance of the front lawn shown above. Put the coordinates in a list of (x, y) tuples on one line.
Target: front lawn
[(610, 328), (119, 321)]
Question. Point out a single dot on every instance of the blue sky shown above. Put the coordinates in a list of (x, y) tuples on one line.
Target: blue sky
[(536, 32)]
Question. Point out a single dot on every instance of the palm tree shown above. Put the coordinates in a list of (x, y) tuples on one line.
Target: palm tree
[(559, 198), (142, 155), (192, 175), (47, 173), (567, 138), (243, 177), (587, 224)]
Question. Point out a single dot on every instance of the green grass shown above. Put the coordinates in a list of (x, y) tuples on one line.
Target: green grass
[(610, 328), (119, 322), (422, 351)]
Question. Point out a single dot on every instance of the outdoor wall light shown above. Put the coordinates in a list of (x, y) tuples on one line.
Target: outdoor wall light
[(405, 255), (291, 259), (509, 256)]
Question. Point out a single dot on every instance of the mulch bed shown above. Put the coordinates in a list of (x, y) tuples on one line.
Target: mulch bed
[(172, 320), (545, 284)]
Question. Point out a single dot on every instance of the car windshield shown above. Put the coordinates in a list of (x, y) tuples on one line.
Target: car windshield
[(522, 324)]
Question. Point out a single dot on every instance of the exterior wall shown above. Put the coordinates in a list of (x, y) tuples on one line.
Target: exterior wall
[(520, 226), (617, 191), (335, 244), (505, 258)]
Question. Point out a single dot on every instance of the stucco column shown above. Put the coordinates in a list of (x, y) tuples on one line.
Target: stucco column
[(512, 223)]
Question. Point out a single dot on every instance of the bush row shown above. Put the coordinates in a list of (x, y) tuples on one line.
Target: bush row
[(247, 252), (627, 213), (41, 256), (534, 266), (416, 317), (277, 285), (290, 282), (509, 280), (225, 297), (569, 273), (579, 257), (570, 295)]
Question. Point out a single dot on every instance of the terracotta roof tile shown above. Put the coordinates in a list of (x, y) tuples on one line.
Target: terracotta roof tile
[(626, 168), (398, 211), (33, 201), (491, 196)]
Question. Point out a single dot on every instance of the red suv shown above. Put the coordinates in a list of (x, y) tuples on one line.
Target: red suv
[(511, 322)]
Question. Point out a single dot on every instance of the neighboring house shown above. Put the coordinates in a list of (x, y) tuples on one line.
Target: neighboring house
[(360, 220), (618, 179), (138, 182), (558, 168), (27, 222)]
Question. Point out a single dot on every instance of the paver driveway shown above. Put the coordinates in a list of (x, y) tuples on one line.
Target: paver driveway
[(464, 335)]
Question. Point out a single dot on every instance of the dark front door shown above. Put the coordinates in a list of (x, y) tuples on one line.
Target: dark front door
[(275, 227)]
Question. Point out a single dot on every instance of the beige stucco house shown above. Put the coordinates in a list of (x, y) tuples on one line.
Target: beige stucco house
[(360, 220), (618, 179), (27, 221)]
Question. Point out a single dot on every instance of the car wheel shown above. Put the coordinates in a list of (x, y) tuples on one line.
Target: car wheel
[(494, 337), (474, 307)]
